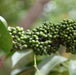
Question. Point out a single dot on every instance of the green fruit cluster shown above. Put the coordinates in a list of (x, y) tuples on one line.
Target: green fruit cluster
[(47, 38), (44, 40), (68, 35), (18, 36)]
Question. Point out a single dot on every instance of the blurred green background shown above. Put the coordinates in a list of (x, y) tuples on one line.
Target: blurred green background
[(55, 10), (21, 63), (13, 10)]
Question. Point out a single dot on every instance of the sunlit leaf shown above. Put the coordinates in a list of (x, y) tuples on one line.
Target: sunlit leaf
[(3, 21), (23, 71), (39, 73), (20, 59), (49, 63), (72, 67)]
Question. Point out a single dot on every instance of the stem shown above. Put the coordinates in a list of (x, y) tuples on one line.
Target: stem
[(35, 64)]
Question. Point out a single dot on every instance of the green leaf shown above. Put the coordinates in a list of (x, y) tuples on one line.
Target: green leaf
[(72, 67), (23, 71), (49, 63), (39, 73), (5, 37), (20, 59), (3, 21)]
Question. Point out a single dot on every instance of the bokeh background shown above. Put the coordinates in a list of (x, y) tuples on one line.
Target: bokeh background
[(21, 63), (55, 10)]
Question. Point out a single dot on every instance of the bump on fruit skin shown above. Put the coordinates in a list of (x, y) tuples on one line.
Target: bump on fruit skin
[(47, 38)]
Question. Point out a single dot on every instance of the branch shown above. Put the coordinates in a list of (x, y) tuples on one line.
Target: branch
[(33, 14)]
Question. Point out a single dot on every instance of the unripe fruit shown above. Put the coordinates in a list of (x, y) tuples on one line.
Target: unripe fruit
[(47, 38)]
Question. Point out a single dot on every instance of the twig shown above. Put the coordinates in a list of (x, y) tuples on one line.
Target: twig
[(33, 14), (35, 64)]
